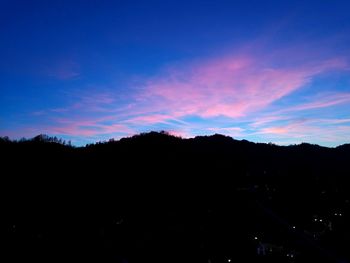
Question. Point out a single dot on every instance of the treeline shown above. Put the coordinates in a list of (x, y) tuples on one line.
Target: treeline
[(41, 138), (154, 197)]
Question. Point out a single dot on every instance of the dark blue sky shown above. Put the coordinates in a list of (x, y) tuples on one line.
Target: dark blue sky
[(260, 70)]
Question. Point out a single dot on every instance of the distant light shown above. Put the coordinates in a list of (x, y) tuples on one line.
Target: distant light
[(291, 255), (321, 220), (340, 214), (255, 238), (335, 214), (229, 260), (293, 227), (315, 219), (118, 222)]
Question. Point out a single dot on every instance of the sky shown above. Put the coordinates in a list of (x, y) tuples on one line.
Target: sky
[(264, 71)]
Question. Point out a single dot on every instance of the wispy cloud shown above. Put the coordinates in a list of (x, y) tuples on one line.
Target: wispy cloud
[(232, 87), (322, 101), (231, 94), (307, 130), (88, 126)]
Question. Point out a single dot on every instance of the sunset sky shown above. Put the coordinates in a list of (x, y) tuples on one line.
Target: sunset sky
[(265, 71)]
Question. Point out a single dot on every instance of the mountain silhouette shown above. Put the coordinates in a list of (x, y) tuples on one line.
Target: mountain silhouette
[(155, 197)]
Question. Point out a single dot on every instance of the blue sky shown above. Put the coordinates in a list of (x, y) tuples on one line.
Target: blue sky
[(267, 71)]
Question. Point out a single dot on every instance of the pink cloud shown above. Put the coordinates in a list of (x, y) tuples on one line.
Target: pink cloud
[(89, 127), (276, 130), (233, 86), (309, 130), (149, 119), (264, 120), (238, 87)]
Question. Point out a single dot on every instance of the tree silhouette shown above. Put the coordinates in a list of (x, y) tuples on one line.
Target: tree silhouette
[(156, 197)]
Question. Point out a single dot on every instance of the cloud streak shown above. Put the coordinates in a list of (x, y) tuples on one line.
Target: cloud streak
[(311, 130), (232, 87), (236, 94), (323, 101)]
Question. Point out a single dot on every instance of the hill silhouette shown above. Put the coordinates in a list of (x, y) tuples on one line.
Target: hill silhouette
[(154, 197)]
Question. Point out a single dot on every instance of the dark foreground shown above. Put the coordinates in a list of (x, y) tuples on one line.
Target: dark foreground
[(158, 198)]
